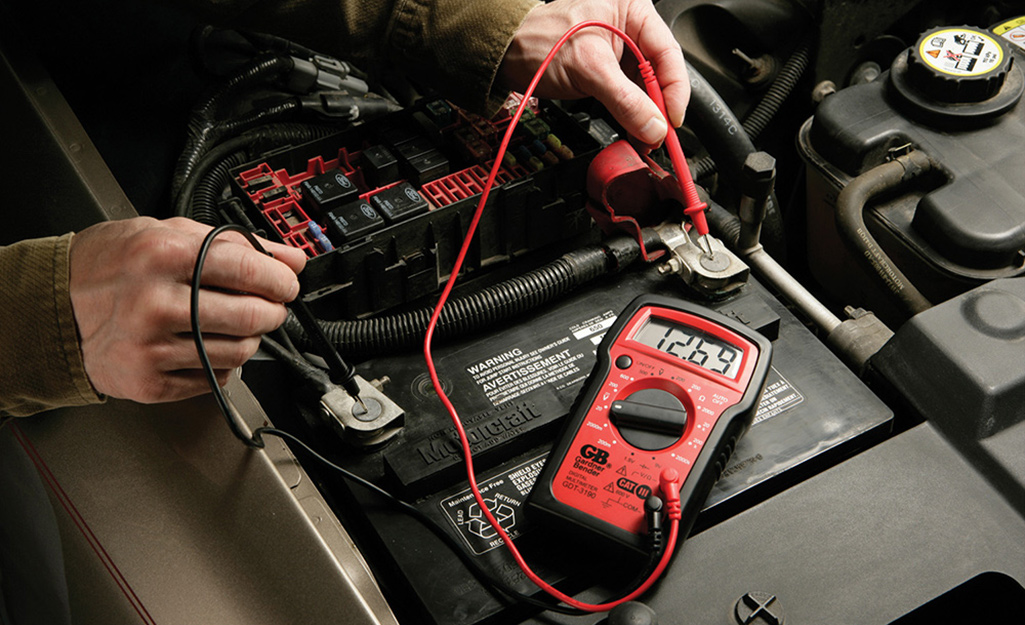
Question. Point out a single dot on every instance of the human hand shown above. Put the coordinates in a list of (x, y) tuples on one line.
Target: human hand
[(592, 62), (130, 291)]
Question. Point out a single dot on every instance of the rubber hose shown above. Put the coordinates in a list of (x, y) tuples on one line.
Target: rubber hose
[(710, 116), (723, 224), (850, 222), (468, 313), (724, 137)]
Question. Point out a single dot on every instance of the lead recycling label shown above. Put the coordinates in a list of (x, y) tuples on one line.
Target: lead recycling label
[(504, 495), (961, 52)]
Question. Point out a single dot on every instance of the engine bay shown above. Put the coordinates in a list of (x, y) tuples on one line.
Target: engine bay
[(862, 167)]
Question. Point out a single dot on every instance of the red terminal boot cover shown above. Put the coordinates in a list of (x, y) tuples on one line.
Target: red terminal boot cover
[(625, 191)]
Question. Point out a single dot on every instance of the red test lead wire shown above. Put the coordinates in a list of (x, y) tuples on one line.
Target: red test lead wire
[(695, 208)]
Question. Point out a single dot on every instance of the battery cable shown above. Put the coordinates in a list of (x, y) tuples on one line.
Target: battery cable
[(669, 482)]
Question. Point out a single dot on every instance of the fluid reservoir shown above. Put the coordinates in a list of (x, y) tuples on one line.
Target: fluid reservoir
[(955, 95)]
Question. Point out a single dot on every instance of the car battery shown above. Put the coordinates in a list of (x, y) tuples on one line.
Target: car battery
[(513, 386)]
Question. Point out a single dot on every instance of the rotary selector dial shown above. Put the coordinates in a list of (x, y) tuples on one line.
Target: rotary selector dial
[(650, 419)]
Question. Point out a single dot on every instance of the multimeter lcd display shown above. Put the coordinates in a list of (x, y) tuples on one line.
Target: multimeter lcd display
[(692, 345)]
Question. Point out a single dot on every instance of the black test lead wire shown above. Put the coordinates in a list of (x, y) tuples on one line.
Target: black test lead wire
[(256, 441), (341, 372)]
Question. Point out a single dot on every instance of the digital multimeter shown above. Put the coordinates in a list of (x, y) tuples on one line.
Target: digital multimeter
[(675, 385)]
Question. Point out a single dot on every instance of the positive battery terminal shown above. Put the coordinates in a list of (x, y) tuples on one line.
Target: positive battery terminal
[(712, 270)]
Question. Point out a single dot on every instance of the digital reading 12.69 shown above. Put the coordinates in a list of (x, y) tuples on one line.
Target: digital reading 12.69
[(692, 345), (674, 386)]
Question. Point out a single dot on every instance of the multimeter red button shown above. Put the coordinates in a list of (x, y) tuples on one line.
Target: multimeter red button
[(624, 362)]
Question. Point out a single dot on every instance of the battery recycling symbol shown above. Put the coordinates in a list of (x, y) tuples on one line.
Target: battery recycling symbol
[(478, 525), (503, 495), (469, 519)]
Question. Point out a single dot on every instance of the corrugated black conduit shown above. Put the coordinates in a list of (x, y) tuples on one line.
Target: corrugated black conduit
[(475, 311), (789, 75), (782, 86), (199, 195), (203, 130)]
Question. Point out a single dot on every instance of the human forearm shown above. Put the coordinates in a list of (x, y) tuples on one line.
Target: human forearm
[(41, 365)]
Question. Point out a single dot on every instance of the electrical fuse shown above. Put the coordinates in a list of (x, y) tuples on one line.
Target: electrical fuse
[(318, 233), (560, 148)]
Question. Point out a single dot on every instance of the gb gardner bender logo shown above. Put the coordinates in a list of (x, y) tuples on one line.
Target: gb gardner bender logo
[(592, 453)]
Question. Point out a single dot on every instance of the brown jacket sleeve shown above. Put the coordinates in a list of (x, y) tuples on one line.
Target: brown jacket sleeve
[(457, 44), (41, 363)]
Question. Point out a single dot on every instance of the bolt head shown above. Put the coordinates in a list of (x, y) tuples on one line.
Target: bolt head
[(759, 608)]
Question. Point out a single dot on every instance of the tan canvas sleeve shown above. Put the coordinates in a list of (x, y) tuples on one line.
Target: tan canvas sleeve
[(453, 45), (41, 364)]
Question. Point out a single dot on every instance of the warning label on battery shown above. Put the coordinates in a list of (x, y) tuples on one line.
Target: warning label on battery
[(779, 395), (515, 372), (504, 496), (593, 327)]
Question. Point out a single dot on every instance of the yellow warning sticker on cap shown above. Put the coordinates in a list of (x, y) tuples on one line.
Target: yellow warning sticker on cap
[(1013, 31), (961, 52)]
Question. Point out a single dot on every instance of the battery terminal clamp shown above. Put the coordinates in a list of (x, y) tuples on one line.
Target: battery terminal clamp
[(714, 272), (370, 420)]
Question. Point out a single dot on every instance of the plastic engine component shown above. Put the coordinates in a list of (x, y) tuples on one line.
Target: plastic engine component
[(399, 202), (957, 75), (353, 220), (960, 365), (412, 169), (327, 191), (948, 231)]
